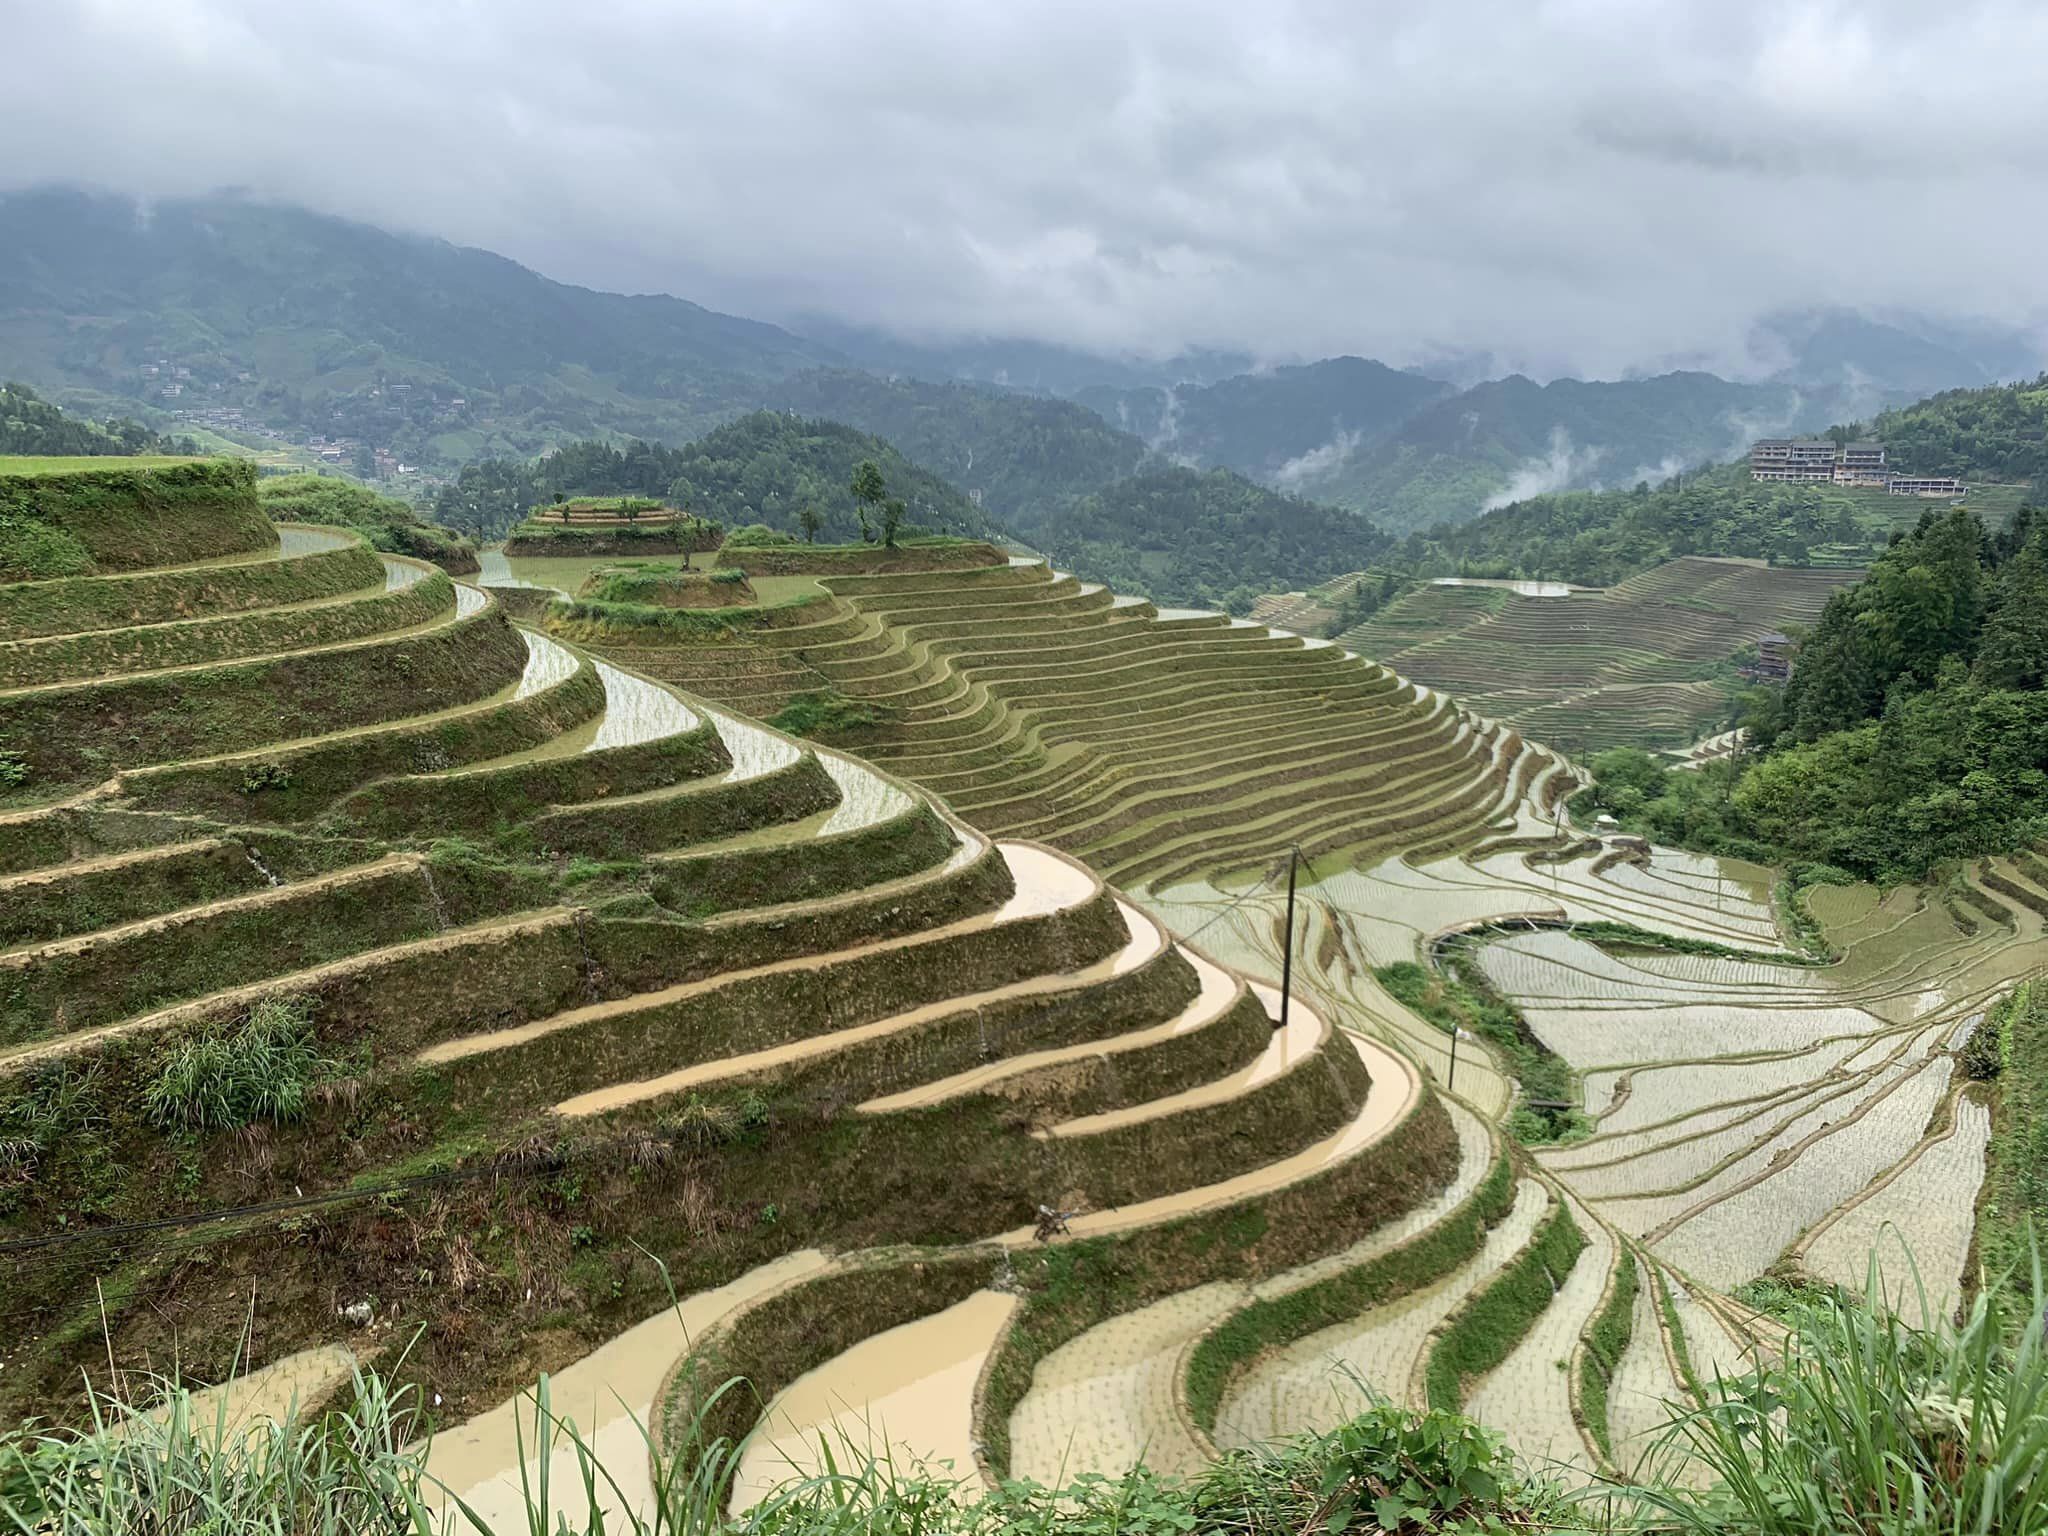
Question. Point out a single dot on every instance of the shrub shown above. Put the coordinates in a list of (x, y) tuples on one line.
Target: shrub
[(261, 776), (258, 1070), (757, 536), (13, 770), (823, 712), (729, 576), (705, 1123)]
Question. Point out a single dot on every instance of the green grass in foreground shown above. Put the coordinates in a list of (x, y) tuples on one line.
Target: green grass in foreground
[(1868, 1424), (70, 464), (2011, 1047)]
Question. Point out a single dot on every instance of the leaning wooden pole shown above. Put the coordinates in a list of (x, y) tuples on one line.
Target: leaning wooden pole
[(1287, 942)]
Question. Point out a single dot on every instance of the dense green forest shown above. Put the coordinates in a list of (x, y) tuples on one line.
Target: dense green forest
[(1999, 433), (1597, 538), (763, 468), (1022, 453), (30, 424), (1914, 732), (1206, 538)]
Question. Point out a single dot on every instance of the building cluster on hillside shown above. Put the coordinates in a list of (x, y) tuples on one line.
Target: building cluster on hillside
[(1819, 459), (1774, 653)]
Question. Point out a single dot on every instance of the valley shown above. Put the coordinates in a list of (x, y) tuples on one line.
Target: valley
[(999, 1022)]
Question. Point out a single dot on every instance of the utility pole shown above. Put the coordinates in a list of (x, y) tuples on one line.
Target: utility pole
[(1287, 945), (1457, 1034)]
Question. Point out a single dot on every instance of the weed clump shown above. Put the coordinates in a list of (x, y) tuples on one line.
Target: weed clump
[(260, 1069), (258, 777), (824, 713)]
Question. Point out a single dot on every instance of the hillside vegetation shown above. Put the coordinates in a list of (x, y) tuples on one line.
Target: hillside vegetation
[(765, 468), (1282, 426), (1022, 454), (1597, 538), (1914, 733), (312, 323), (1999, 433), (32, 426), (1207, 538), (384, 521), (1512, 437)]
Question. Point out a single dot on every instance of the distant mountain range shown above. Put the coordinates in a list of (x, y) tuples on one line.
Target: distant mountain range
[(251, 318)]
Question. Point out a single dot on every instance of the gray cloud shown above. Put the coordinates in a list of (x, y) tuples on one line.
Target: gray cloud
[(1573, 184)]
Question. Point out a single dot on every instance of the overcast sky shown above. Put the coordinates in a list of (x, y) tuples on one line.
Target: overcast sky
[(1590, 184)]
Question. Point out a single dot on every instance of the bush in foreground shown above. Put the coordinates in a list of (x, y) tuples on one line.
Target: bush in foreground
[(1867, 1425)]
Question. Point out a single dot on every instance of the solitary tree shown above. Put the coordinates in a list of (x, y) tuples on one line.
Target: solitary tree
[(810, 522), (892, 519), (631, 508), (868, 492)]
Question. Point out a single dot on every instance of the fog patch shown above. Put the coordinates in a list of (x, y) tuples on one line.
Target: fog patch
[(1745, 427), (1565, 465), (1656, 474), (1162, 441), (1318, 462)]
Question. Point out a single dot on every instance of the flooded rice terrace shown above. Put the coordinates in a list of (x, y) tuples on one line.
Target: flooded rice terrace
[(1737, 1105)]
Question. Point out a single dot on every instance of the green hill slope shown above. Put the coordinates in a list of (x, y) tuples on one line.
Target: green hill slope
[(1999, 433), (763, 468), (1203, 538), (1020, 453), (316, 322), (1281, 426), (1513, 438), (33, 426)]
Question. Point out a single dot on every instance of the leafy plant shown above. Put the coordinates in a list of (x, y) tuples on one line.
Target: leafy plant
[(14, 770), (259, 1069), (258, 777), (1872, 1424), (824, 713)]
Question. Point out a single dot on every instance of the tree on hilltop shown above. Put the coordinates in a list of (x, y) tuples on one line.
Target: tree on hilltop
[(868, 490)]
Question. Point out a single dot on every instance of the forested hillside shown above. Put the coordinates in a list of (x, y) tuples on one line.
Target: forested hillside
[(312, 323), (1207, 538), (1994, 438), (30, 424), (763, 468), (1284, 426), (1513, 438), (1914, 733), (1999, 433), (1597, 538), (1021, 452)]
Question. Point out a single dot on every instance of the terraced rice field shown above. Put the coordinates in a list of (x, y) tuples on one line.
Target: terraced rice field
[(1747, 1115), (1150, 745), (575, 968), (590, 970), (1585, 670)]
